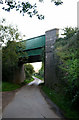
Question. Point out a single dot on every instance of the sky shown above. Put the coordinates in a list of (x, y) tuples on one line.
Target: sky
[(60, 17), (55, 17)]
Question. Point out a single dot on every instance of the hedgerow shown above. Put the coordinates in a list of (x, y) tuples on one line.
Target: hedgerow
[(67, 52)]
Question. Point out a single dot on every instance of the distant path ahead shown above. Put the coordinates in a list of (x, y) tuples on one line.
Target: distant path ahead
[(36, 81), (29, 103)]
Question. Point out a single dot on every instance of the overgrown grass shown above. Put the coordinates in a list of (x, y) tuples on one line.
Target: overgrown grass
[(6, 86), (38, 76), (61, 102), (0, 87), (28, 80)]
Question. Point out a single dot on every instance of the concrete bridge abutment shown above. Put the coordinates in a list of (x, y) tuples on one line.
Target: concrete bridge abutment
[(50, 62), (19, 75)]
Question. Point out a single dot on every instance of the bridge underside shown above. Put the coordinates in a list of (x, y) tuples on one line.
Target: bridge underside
[(36, 58), (31, 59), (33, 55)]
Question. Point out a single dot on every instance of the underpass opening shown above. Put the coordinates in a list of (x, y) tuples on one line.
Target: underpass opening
[(34, 73), (34, 47), (39, 70)]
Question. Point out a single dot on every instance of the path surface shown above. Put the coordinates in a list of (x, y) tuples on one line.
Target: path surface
[(29, 103), (36, 81), (7, 97)]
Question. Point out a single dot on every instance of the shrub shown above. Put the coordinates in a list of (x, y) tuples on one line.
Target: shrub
[(29, 70), (68, 63)]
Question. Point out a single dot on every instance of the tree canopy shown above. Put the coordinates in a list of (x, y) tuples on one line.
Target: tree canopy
[(25, 7), (29, 70), (12, 51), (8, 32)]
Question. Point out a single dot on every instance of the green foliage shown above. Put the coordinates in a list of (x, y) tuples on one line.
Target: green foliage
[(25, 7), (40, 73), (22, 7), (38, 76), (56, 2), (67, 50), (29, 70), (11, 52), (0, 87), (8, 32), (7, 86), (10, 58), (69, 32), (62, 102), (28, 80)]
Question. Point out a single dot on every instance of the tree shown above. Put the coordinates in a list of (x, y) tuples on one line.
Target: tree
[(9, 60), (25, 7), (69, 32), (8, 33), (11, 52), (67, 67), (29, 70)]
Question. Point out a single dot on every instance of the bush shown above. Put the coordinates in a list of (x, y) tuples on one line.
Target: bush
[(40, 73), (29, 70), (68, 63), (9, 60), (12, 50), (7, 86)]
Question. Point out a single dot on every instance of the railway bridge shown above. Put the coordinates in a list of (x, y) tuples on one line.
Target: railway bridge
[(35, 48)]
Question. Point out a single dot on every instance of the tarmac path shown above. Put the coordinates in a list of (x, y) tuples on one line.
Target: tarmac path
[(29, 103)]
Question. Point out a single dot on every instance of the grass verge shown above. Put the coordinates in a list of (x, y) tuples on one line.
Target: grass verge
[(0, 87), (7, 86), (28, 80), (39, 77), (61, 102)]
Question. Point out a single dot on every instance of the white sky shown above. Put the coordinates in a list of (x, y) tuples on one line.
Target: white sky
[(55, 17), (37, 66)]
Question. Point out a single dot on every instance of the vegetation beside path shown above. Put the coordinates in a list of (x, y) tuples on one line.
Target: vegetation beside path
[(28, 80), (62, 102), (39, 77), (7, 86), (65, 93)]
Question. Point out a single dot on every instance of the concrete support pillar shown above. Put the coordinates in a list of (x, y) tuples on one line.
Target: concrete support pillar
[(50, 73), (19, 74), (78, 14)]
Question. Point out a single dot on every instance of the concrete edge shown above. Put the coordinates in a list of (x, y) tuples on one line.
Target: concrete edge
[(51, 30), (54, 107)]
